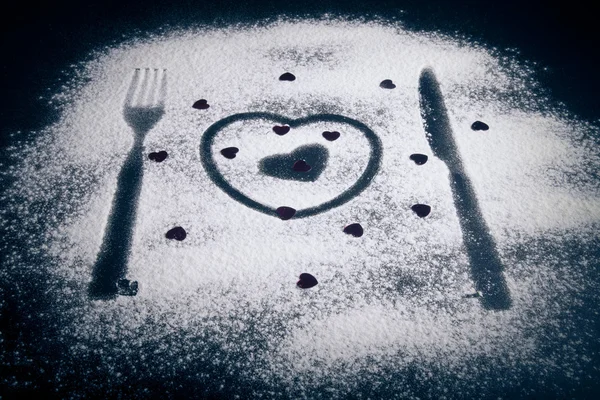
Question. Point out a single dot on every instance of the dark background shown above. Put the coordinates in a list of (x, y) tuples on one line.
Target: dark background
[(40, 39)]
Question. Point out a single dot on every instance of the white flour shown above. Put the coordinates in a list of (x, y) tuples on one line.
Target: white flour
[(389, 304)]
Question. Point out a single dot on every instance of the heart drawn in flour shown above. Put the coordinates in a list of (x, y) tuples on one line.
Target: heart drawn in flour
[(282, 165)]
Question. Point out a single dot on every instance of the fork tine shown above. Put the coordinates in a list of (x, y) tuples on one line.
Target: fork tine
[(162, 91), (150, 99), (144, 87), (132, 87), (147, 89)]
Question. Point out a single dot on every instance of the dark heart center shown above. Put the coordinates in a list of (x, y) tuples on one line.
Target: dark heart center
[(305, 164)]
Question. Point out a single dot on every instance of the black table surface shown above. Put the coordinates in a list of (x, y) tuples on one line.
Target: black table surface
[(41, 40)]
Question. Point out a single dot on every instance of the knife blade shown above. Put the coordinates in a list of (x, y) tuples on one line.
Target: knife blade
[(486, 265)]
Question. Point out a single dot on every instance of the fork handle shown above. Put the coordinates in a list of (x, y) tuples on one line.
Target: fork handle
[(111, 263)]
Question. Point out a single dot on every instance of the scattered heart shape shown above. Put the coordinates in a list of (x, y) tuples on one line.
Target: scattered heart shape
[(419, 159), (158, 156), (125, 287), (201, 105), (177, 233), (387, 84), (355, 230), (288, 166), (281, 130), (287, 77), (301, 166), (229, 152), (480, 126), (306, 281), (331, 136), (422, 210), (285, 213)]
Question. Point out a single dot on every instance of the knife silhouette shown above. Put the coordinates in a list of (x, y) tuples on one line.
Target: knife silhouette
[(486, 266)]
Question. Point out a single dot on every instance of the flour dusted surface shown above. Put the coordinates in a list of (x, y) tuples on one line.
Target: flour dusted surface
[(222, 305)]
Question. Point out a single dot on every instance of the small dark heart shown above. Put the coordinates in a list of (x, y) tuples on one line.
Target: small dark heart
[(387, 84), (287, 77), (201, 105), (301, 166), (125, 287), (281, 130), (158, 156), (229, 152), (285, 213), (331, 136), (479, 126), (419, 159), (306, 281), (422, 210), (472, 295), (177, 233), (355, 230)]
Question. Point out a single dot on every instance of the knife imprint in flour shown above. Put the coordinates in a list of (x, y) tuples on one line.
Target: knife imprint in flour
[(486, 266)]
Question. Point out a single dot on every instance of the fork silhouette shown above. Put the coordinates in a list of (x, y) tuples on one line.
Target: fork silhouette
[(144, 107)]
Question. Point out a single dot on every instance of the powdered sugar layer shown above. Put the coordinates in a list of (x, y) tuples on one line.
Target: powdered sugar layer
[(221, 307)]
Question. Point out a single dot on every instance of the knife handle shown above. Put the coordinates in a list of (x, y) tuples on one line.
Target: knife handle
[(486, 266)]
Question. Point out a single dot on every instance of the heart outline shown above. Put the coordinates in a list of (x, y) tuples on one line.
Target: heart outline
[(209, 164)]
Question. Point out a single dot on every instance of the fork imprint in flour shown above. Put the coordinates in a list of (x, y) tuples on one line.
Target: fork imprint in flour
[(144, 107)]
